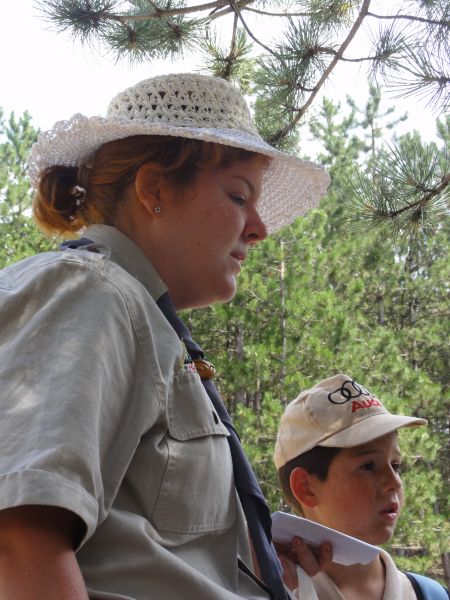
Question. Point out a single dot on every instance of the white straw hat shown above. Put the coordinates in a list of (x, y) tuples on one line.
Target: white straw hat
[(190, 106), (337, 412)]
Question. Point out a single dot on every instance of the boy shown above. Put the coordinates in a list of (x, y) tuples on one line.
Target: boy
[(338, 460)]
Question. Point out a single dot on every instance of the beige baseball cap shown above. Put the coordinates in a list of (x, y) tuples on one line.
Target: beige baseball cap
[(336, 412)]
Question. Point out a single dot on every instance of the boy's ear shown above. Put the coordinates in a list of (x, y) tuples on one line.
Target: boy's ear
[(302, 488), (147, 184)]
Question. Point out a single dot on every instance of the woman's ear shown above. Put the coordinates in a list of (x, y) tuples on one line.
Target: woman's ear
[(302, 487), (147, 184)]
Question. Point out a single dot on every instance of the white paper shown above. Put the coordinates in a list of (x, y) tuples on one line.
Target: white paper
[(347, 550)]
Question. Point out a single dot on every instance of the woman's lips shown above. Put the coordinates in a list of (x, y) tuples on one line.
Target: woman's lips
[(238, 258)]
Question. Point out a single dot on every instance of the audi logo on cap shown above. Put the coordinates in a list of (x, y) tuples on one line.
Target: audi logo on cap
[(349, 390)]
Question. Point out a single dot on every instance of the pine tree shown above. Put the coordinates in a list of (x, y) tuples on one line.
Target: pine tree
[(407, 52), (373, 120), (316, 299), (20, 236)]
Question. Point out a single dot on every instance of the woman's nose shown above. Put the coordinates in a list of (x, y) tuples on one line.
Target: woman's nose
[(255, 231)]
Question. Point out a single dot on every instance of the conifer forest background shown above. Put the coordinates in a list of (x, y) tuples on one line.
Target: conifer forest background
[(359, 285)]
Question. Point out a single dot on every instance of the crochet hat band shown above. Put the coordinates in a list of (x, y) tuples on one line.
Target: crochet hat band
[(190, 106)]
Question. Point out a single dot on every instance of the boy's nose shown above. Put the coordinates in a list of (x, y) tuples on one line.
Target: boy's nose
[(393, 480)]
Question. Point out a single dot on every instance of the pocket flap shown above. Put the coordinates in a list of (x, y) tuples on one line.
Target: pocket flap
[(190, 411)]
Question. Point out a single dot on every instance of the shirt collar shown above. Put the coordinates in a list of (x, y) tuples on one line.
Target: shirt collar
[(127, 255)]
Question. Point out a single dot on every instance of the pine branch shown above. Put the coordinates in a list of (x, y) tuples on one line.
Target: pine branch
[(66, 13), (235, 64), (161, 13), (171, 12), (332, 52), (247, 29), (390, 45), (427, 79), (413, 18), (146, 40), (279, 135), (420, 204), (406, 193), (279, 14), (240, 4), (84, 18), (232, 53)]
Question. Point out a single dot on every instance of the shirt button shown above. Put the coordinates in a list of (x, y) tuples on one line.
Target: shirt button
[(216, 418)]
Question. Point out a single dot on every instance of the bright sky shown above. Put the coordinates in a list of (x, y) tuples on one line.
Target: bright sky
[(52, 77)]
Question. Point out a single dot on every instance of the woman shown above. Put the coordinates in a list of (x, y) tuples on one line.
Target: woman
[(110, 446)]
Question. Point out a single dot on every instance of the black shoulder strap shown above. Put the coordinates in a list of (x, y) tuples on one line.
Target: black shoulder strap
[(415, 585), (73, 244)]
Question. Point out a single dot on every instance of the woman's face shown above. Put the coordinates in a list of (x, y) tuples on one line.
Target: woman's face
[(202, 235)]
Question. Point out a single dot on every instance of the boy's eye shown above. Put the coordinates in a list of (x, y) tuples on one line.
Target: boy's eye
[(396, 466), (368, 466)]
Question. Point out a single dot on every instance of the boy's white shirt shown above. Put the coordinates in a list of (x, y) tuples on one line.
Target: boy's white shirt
[(305, 590), (322, 587)]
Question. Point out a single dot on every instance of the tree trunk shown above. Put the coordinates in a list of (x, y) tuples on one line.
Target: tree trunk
[(240, 397), (446, 565), (257, 398)]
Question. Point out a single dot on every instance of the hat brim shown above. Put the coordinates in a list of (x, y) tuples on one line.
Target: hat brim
[(291, 186), (369, 429)]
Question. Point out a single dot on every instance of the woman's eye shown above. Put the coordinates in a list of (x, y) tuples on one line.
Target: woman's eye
[(396, 466), (238, 199)]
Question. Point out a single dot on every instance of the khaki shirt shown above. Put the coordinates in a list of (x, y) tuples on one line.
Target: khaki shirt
[(99, 415)]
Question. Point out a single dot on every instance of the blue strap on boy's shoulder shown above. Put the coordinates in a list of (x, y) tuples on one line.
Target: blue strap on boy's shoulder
[(426, 588)]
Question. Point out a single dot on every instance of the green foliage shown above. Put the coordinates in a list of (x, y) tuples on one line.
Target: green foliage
[(85, 18), (341, 149), (20, 237), (141, 40), (373, 123), (233, 64), (316, 299), (406, 192)]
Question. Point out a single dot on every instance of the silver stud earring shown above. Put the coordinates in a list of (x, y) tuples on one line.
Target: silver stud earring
[(157, 210)]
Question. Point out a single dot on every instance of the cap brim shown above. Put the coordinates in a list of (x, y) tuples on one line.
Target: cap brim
[(369, 429), (291, 186)]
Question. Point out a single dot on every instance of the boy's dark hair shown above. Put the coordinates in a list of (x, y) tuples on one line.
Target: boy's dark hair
[(316, 461)]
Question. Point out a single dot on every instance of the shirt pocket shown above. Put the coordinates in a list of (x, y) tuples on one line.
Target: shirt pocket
[(197, 492)]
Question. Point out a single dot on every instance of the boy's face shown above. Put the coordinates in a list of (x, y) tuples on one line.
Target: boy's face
[(363, 493)]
